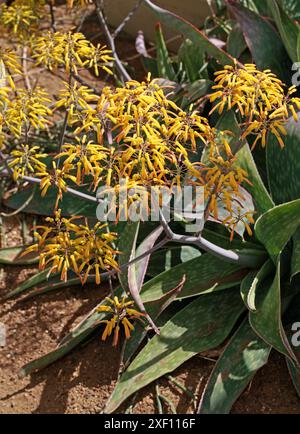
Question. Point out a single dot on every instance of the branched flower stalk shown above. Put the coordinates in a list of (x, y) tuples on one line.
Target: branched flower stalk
[(132, 137)]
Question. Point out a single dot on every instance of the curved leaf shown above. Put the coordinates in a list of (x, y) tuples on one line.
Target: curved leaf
[(252, 283), (283, 165), (13, 256), (137, 271), (295, 265), (266, 321), (203, 274), (154, 309), (190, 32), (146, 245), (244, 355), (260, 195), (126, 245), (164, 64), (276, 227), (30, 283), (236, 43), (70, 206), (70, 341), (288, 29), (263, 41), (169, 257), (200, 326)]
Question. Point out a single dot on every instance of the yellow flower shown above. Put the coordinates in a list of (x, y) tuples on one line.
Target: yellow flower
[(55, 178), (65, 245), (70, 51), (221, 180), (26, 160), (75, 98), (121, 314), (28, 109), (259, 97), (10, 60), (236, 217), (22, 17), (96, 252), (86, 156)]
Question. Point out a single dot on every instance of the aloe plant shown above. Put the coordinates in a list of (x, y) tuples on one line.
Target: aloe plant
[(205, 291), (267, 291)]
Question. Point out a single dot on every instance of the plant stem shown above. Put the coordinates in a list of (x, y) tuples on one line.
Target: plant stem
[(111, 42)]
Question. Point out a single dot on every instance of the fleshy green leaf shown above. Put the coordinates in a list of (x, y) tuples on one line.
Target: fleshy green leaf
[(260, 195), (236, 43), (266, 320), (169, 257), (288, 29), (13, 256), (146, 245), (263, 41), (295, 375), (126, 244), (164, 64), (192, 58), (190, 32), (276, 227), (200, 326), (30, 283), (155, 310), (137, 271), (244, 355), (252, 283), (284, 164), (203, 274), (295, 266), (70, 205)]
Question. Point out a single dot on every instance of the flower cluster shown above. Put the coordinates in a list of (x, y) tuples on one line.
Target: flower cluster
[(152, 136), (122, 313), (136, 137), (10, 61), (75, 99), (26, 160), (70, 51), (66, 246), (22, 18), (29, 108), (259, 97)]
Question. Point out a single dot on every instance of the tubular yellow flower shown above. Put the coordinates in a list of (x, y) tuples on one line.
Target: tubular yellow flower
[(121, 313), (65, 245), (75, 99), (28, 108), (86, 156), (259, 97), (70, 51), (26, 160), (22, 17), (10, 60), (56, 178)]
